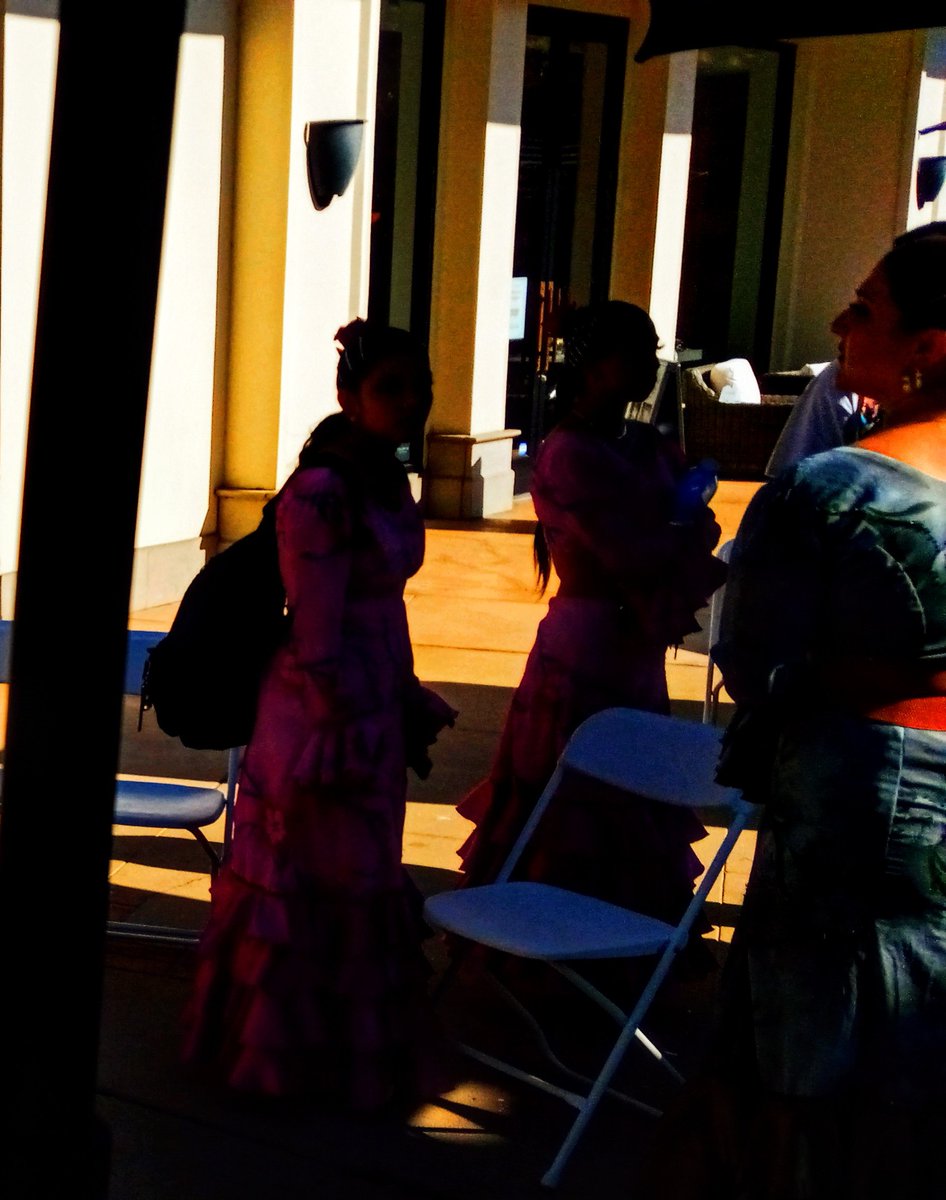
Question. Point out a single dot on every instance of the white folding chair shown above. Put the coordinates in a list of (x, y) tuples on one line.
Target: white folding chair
[(665, 759), (713, 685), (159, 803)]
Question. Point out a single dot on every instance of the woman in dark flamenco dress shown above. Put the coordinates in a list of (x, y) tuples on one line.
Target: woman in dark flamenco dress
[(826, 1073), (631, 578), (311, 978)]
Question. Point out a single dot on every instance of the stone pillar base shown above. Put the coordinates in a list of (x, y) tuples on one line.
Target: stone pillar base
[(469, 475), (238, 513)]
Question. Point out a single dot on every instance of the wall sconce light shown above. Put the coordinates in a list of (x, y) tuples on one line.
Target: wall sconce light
[(332, 152), (930, 172), (930, 176)]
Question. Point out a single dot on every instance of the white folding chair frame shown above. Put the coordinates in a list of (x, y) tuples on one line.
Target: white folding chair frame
[(713, 685), (602, 748)]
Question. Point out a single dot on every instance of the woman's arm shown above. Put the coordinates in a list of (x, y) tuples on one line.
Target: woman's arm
[(775, 589), (314, 524), (617, 512), (584, 492)]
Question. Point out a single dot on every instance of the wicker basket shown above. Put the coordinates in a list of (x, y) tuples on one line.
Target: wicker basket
[(740, 437)]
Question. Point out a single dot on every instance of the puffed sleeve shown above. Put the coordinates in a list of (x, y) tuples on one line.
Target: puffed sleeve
[(775, 590), (618, 512), (818, 584), (314, 534)]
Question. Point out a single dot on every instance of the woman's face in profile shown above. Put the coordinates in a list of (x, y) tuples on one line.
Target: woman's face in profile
[(621, 378), (393, 400), (874, 350)]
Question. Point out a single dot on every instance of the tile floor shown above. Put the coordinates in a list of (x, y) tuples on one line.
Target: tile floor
[(473, 612)]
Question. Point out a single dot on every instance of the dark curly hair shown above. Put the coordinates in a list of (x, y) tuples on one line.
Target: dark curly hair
[(362, 345), (915, 270), (596, 331)]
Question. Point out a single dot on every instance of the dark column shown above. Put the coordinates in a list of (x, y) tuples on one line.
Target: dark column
[(104, 219)]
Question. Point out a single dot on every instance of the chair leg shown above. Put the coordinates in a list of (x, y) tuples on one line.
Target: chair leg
[(601, 1085), (211, 853), (164, 935), (708, 697), (575, 1099), (619, 1015)]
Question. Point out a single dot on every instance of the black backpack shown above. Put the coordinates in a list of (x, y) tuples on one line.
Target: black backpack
[(203, 678)]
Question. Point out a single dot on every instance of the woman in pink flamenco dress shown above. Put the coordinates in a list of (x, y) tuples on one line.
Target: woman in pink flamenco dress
[(630, 582), (311, 978)]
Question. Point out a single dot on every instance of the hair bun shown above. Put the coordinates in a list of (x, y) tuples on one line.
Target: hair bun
[(363, 344), (348, 334)]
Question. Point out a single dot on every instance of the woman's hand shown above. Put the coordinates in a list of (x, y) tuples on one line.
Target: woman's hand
[(426, 714)]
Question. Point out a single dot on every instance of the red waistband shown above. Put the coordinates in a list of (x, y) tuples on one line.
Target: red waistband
[(921, 712)]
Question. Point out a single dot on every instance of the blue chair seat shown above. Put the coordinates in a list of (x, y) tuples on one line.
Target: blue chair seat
[(157, 803)]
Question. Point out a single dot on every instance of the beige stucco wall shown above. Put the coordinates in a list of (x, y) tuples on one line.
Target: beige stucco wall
[(334, 75), (849, 179)]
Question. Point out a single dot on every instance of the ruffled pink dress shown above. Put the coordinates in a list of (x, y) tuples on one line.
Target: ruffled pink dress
[(630, 583), (311, 977)]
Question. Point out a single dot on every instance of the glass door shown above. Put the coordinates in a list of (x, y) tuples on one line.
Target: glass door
[(407, 127), (741, 116), (571, 112)]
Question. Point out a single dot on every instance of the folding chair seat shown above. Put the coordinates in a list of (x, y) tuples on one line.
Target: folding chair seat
[(660, 758), (159, 803)]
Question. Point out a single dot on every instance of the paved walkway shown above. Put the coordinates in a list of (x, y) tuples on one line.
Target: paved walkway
[(473, 612)]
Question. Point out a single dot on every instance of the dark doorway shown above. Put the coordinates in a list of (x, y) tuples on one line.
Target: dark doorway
[(407, 127), (571, 115), (741, 115)]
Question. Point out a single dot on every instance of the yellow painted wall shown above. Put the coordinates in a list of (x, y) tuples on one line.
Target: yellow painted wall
[(261, 183)]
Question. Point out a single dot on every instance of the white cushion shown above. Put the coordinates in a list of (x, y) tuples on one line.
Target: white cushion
[(735, 382)]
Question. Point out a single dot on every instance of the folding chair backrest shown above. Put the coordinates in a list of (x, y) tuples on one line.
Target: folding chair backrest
[(663, 758), (139, 643)]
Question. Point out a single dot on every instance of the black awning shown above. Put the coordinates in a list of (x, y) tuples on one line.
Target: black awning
[(694, 24)]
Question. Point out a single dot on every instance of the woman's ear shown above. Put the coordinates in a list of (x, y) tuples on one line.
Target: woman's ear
[(349, 403), (929, 351)]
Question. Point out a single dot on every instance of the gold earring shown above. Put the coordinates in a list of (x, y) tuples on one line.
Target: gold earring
[(912, 381)]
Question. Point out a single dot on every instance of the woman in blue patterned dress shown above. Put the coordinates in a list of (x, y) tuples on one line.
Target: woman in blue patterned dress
[(830, 1076)]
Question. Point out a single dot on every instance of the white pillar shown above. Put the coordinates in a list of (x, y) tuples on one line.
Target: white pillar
[(28, 45), (469, 470), (672, 197)]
